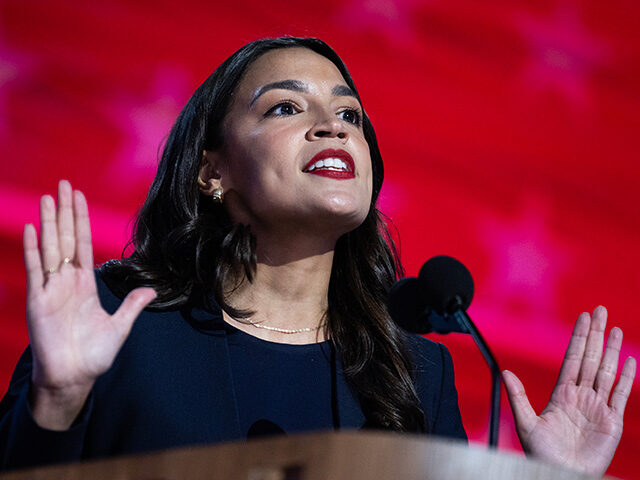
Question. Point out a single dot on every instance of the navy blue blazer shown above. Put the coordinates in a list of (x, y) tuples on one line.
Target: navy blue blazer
[(170, 385)]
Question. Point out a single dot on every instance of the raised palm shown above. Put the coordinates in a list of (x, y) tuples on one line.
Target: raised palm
[(582, 424), (73, 339)]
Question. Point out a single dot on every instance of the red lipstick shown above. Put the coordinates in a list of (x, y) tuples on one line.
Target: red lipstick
[(341, 167)]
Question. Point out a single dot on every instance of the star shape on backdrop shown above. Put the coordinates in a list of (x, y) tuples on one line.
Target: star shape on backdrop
[(145, 124), (515, 309), (527, 259), (391, 19), (520, 291), (563, 53)]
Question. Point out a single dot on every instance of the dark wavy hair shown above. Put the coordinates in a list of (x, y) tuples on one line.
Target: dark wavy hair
[(187, 248)]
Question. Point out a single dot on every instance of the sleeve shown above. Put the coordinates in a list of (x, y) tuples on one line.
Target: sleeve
[(25, 444), (447, 420)]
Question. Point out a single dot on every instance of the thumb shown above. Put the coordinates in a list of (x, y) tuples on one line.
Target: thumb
[(131, 307), (523, 412)]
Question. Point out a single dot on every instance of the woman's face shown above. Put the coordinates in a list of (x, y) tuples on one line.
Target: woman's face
[(294, 157)]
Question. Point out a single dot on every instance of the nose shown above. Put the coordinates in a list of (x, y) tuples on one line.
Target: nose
[(328, 126)]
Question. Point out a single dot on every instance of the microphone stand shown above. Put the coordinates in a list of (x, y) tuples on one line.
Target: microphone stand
[(467, 326)]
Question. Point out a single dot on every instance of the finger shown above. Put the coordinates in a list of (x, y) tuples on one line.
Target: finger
[(32, 263), (66, 234), (84, 249), (131, 307), (575, 351), (593, 349), (523, 412), (49, 246), (609, 365), (623, 388)]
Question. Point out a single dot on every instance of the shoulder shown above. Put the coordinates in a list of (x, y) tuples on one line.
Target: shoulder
[(109, 300), (159, 325), (433, 377), (426, 354), (149, 322), (430, 366)]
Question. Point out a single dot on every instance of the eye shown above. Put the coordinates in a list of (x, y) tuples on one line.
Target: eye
[(282, 109), (351, 116)]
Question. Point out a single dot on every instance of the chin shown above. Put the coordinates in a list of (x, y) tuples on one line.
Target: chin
[(342, 216)]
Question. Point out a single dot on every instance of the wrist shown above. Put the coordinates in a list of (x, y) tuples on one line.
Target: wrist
[(57, 408)]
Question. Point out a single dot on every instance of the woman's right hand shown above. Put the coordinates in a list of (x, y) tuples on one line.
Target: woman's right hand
[(73, 339)]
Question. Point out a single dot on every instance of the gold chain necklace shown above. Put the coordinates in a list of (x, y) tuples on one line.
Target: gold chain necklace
[(285, 330)]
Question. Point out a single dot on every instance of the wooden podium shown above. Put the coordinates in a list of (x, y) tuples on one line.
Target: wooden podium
[(322, 456)]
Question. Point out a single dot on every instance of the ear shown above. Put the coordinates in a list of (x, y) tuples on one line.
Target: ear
[(209, 175)]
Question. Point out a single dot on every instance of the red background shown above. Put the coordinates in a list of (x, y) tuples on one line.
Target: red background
[(509, 131)]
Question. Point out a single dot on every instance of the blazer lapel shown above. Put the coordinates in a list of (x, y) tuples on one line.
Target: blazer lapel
[(225, 419)]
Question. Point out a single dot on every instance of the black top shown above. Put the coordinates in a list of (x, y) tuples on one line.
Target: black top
[(172, 384), (280, 387)]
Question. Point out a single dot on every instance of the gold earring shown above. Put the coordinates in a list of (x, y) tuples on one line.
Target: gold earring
[(216, 195)]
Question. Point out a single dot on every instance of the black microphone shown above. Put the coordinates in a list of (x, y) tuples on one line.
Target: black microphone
[(408, 308), (446, 284), (437, 301)]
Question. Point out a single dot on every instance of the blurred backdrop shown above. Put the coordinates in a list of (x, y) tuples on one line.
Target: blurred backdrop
[(509, 131)]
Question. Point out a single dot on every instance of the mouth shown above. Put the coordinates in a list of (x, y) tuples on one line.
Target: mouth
[(331, 163)]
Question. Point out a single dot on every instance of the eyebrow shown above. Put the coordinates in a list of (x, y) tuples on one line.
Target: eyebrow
[(298, 86)]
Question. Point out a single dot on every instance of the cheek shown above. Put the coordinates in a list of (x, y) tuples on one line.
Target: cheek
[(260, 164), (367, 172)]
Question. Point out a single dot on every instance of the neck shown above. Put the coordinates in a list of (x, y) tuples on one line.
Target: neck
[(289, 291)]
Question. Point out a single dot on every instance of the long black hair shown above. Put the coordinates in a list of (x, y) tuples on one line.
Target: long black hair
[(187, 248)]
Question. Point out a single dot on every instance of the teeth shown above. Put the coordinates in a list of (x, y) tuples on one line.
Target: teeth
[(339, 163), (332, 163)]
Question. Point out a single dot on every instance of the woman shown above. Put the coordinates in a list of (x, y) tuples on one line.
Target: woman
[(265, 266)]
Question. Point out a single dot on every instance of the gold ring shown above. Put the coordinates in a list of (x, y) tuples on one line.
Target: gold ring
[(67, 260)]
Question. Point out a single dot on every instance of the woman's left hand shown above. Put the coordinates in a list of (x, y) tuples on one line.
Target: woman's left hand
[(581, 426)]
